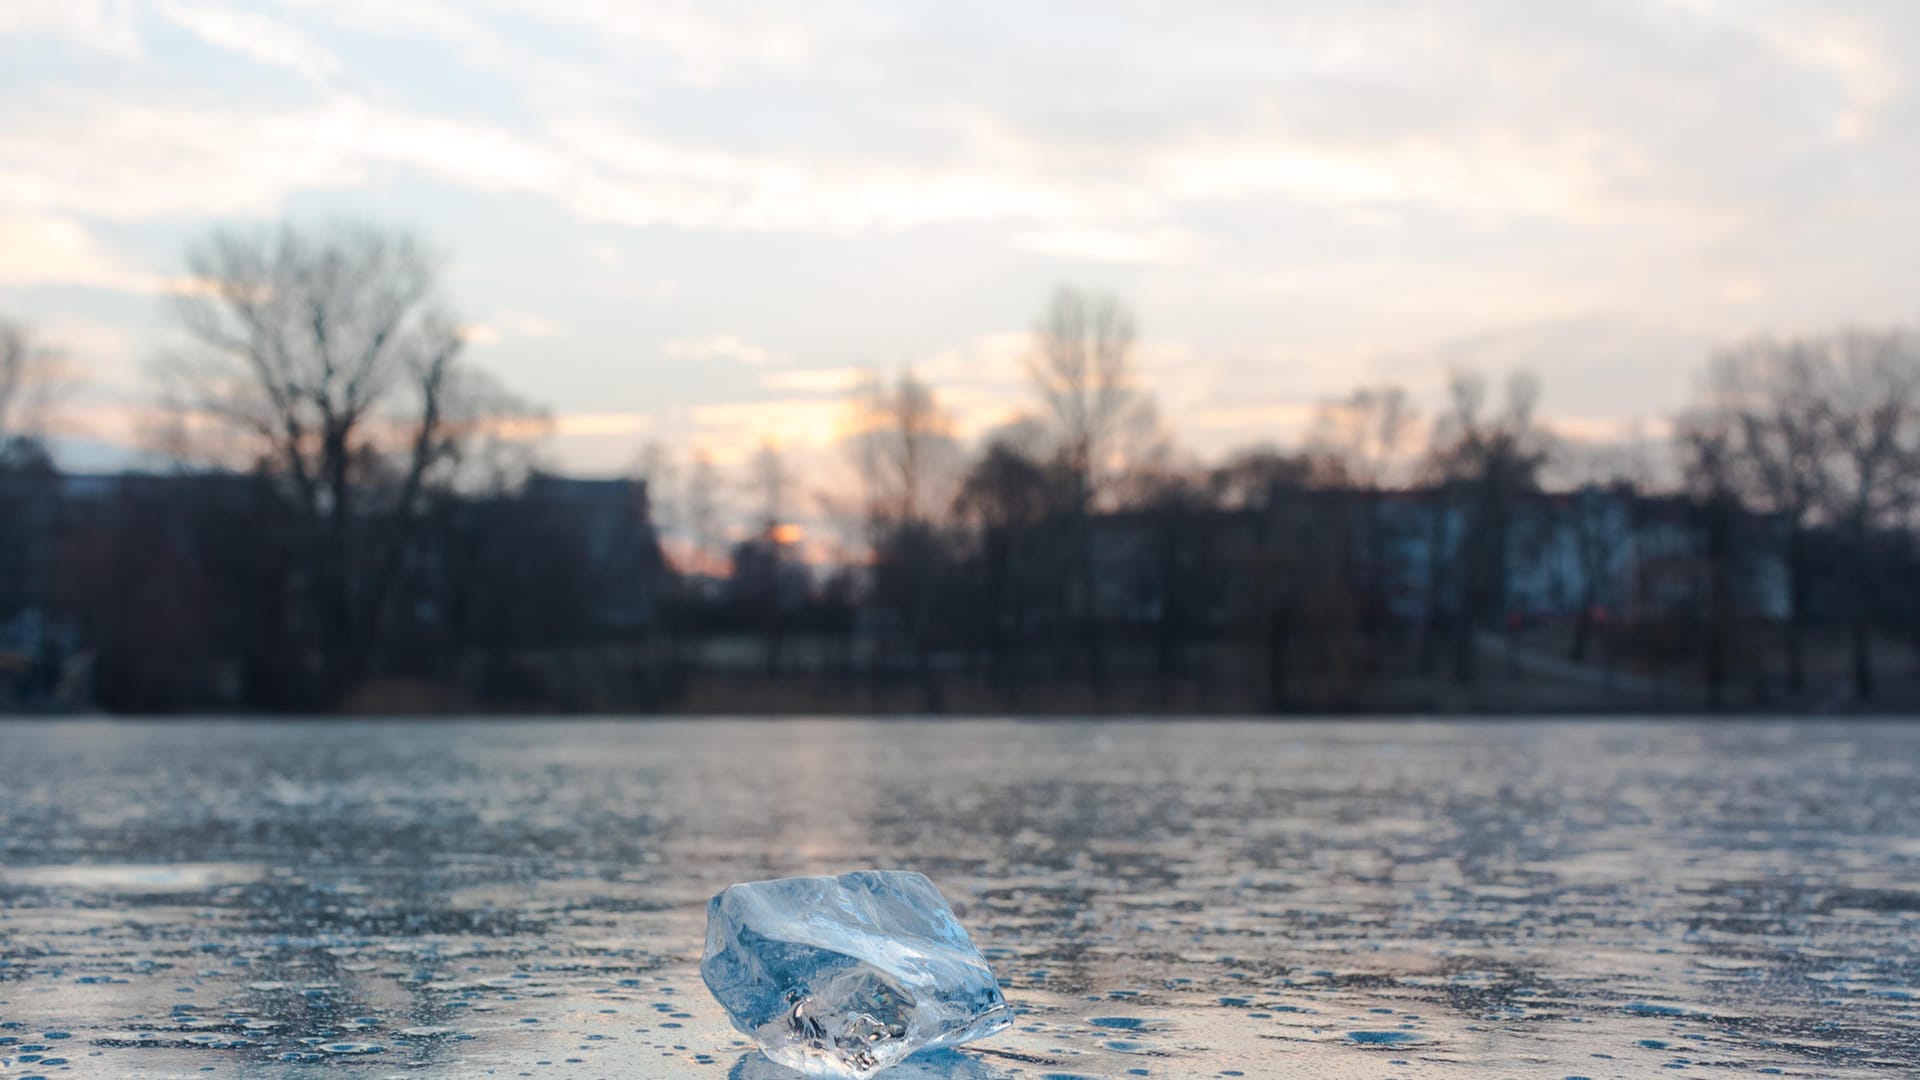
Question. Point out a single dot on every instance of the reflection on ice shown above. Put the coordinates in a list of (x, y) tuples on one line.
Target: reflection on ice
[(133, 877), (942, 1064)]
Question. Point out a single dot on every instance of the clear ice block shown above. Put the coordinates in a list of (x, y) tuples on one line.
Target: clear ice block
[(845, 976)]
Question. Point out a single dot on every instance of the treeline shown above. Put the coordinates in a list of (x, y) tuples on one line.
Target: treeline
[(354, 520)]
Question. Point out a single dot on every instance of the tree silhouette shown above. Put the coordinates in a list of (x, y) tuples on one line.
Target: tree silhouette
[(326, 358)]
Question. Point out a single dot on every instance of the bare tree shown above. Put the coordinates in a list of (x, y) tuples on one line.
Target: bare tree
[(1084, 371), (904, 448), (1708, 443), (760, 563), (1768, 393), (1486, 460), (700, 514), (1873, 422), (1369, 432), (1367, 437), (326, 358), (29, 489), (29, 376), (1604, 482), (1008, 496), (16, 352), (768, 479), (1248, 478), (655, 468)]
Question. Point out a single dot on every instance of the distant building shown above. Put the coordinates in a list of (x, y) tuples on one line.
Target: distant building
[(614, 525), (1625, 554), (1629, 554)]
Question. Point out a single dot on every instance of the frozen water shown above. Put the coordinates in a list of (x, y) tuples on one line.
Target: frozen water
[(845, 976), (1537, 899)]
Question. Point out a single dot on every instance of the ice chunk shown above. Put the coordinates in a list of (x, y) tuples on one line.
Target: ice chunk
[(844, 976)]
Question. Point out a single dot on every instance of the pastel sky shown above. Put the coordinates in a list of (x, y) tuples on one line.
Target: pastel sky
[(696, 221)]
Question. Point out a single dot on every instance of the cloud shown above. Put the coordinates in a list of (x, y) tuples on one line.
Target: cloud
[(981, 383), (839, 381), (732, 429), (1274, 421), (1121, 202), (1099, 191), (1603, 431), (94, 351), (719, 347), (256, 37), (1163, 246), (526, 325), (708, 42), (507, 324), (591, 424), (121, 161), (1295, 197), (105, 26), (606, 171), (703, 44), (105, 158), (44, 250)]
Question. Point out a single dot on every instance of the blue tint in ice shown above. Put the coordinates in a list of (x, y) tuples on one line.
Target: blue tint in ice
[(845, 976)]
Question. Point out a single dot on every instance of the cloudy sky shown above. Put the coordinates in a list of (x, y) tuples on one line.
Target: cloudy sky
[(695, 221)]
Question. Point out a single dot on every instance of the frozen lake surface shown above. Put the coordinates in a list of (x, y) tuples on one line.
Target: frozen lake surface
[(1338, 901)]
